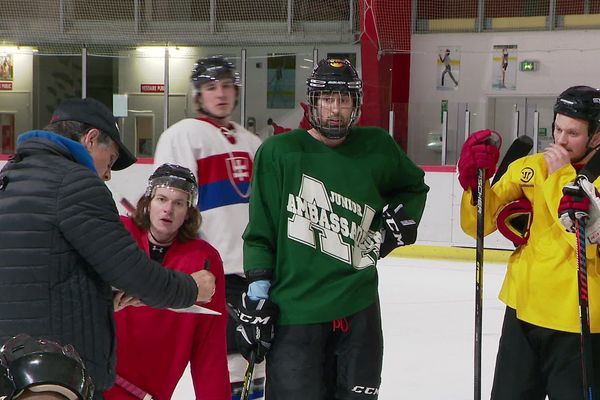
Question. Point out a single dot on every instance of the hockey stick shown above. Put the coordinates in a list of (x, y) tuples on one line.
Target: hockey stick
[(132, 389), (479, 283), (520, 147), (129, 207), (585, 344), (249, 374), (248, 377), (496, 141), (590, 172)]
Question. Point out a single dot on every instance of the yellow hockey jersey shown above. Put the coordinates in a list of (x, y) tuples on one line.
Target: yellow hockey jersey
[(541, 279)]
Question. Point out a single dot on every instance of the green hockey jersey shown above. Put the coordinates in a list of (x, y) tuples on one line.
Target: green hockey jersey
[(315, 216)]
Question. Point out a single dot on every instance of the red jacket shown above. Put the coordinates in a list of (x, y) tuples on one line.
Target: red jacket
[(154, 346)]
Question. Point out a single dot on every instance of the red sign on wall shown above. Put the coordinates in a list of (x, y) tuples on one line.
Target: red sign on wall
[(152, 88), (6, 86)]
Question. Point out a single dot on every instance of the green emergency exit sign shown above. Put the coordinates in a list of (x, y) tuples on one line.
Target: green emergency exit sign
[(528, 65)]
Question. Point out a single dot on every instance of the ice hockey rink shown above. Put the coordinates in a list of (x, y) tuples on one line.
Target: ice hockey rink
[(428, 323)]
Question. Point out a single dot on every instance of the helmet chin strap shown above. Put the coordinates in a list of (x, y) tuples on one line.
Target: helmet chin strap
[(591, 149), (339, 132), (588, 149)]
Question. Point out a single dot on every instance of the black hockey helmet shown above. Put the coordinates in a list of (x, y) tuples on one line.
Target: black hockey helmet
[(333, 75), (213, 68), (581, 102), (174, 176), (40, 365), (7, 386)]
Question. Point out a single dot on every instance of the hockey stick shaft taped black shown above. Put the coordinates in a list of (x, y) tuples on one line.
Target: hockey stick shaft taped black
[(585, 342), (248, 377), (479, 284), (520, 147)]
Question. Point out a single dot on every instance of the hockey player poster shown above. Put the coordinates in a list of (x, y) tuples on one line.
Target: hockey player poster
[(504, 64), (281, 81), (6, 67), (448, 68)]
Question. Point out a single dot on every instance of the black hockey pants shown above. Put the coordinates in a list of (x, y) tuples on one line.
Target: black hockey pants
[(533, 362), (338, 360)]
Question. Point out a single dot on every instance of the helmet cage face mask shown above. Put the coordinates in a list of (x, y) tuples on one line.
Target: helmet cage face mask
[(174, 182), (333, 76), (170, 176), (326, 129), (581, 102)]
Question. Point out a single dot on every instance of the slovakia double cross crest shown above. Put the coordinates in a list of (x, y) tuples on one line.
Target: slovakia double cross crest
[(238, 171)]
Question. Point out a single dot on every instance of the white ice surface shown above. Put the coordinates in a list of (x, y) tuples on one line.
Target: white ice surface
[(428, 323)]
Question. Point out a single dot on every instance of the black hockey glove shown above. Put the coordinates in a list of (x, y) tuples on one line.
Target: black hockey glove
[(256, 327), (398, 230)]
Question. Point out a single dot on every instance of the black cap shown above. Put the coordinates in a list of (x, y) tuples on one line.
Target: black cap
[(92, 112)]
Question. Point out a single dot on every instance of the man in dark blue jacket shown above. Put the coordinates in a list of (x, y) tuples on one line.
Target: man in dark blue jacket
[(62, 245)]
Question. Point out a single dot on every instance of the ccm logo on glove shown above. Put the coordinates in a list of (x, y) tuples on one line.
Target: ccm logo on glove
[(365, 390), (253, 319), (398, 230)]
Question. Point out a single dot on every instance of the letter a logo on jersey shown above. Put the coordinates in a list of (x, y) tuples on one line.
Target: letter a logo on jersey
[(314, 222)]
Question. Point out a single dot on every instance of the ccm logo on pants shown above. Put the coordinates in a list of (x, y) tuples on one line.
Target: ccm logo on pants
[(365, 390)]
